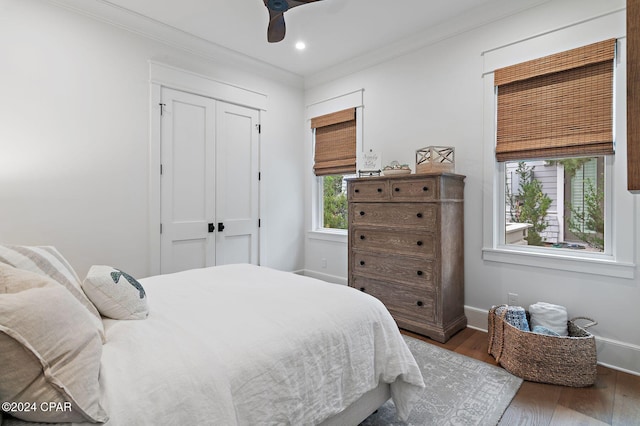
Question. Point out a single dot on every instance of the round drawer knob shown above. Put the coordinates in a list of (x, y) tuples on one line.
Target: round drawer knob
[(362, 263), (419, 215), (425, 188), (396, 189), (362, 288), (356, 191), (361, 213), (419, 303), (379, 189), (362, 237), (419, 243), (420, 273)]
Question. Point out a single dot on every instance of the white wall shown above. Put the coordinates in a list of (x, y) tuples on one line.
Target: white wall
[(74, 139), (434, 96), (74, 151)]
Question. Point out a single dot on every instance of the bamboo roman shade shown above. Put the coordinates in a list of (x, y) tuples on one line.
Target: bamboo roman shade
[(557, 106), (335, 150)]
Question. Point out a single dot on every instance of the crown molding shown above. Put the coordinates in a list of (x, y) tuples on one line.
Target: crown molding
[(468, 21), (107, 12)]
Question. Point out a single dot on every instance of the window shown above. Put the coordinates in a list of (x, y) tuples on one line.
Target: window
[(334, 201), (334, 161), (554, 126), (619, 206), (556, 203)]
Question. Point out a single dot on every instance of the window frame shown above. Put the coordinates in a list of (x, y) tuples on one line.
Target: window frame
[(608, 189), (618, 260), (501, 233)]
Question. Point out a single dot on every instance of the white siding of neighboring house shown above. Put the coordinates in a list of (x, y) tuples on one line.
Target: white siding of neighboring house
[(548, 177), (588, 173)]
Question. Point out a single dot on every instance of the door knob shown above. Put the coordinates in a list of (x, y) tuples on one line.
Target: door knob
[(220, 226), (212, 227)]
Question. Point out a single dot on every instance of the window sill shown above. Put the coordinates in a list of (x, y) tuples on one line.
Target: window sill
[(334, 235), (604, 265)]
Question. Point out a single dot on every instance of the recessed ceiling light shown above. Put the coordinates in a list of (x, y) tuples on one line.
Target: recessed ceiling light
[(300, 45)]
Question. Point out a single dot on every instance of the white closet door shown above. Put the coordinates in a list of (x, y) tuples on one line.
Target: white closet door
[(209, 185), (237, 190), (188, 181)]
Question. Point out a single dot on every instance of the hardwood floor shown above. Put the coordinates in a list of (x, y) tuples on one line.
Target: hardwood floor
[(613, 400)]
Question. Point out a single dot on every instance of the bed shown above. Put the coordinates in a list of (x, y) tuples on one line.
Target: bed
[(250, 345)]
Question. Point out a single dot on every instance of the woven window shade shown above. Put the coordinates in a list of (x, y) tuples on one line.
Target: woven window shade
[(557, 106), (335, 151)]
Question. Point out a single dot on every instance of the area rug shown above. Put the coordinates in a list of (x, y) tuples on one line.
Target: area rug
[(459, 391)]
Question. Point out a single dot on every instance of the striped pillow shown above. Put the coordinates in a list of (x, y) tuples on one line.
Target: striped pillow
[(48, 261), (50, 351)]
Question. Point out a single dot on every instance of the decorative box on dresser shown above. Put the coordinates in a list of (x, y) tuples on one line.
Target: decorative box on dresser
[(406, 247)]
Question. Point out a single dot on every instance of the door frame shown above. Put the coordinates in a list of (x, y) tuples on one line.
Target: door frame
[(163, 75)]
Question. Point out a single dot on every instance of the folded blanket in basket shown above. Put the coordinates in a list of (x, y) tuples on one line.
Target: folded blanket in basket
[(516, 316), (544, 330), (550, 316)]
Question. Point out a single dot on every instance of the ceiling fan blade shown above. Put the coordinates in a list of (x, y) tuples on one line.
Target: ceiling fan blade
[(277, 28)]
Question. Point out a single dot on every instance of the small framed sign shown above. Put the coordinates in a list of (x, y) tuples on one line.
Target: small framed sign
[(369, 161)]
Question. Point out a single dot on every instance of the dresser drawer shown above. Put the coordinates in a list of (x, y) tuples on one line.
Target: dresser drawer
[(417, 190), (368, 190), (417, 272), (394, 241), (403, 302), (409, 215)]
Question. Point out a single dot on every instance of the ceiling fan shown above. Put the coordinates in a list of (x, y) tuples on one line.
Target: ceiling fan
[(277, 8)]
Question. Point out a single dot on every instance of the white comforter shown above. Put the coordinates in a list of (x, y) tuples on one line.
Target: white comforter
[(248, 345)]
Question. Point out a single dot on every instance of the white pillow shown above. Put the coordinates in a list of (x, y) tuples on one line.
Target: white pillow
[(48, 261), (116, 294), (548, 315), (50, 351)]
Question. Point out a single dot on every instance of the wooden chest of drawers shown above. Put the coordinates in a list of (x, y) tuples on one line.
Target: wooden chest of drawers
[(406, 247)]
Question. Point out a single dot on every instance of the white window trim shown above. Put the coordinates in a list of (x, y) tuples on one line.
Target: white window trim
[(619, 260), (327, 234)]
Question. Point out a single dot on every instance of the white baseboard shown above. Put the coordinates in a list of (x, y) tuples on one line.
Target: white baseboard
[(476, 318), (613, 354)]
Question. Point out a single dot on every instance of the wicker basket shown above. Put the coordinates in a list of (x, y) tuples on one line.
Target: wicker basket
[(559, 360)]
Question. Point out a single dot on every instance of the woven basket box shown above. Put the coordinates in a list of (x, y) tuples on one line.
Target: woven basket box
[(434, 159), (560, 360)]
